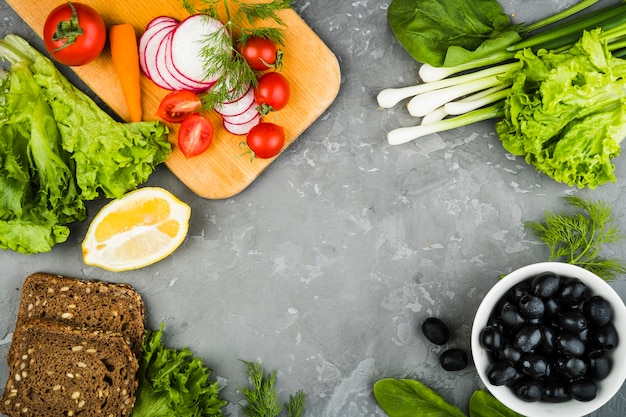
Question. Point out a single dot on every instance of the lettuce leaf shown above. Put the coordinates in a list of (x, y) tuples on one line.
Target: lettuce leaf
[(567, 112), (173, 383), (59, 149)]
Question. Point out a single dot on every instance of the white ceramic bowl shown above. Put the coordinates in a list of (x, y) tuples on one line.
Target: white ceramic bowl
[(607, 387)]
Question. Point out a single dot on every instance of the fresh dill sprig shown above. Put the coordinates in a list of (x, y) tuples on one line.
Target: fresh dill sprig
[(245, 22), (262, 398), (578, 238)]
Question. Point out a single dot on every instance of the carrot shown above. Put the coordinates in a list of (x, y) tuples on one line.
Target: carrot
[(125, 56)]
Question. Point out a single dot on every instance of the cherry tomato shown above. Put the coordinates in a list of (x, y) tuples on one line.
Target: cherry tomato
[(178, 105), (272, 91), (74, 34), (261, 53), (195, 135), (266, 139)]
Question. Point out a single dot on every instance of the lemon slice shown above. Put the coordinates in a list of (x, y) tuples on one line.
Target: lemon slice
[(136, 230)]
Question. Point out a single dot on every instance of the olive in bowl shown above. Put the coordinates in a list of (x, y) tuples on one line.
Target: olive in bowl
[(548, 339)]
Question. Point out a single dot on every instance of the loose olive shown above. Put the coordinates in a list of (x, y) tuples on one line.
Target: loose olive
[(531, 306), (598, 311), (501, 373), (436, 331), (527, 338), (572, 321), (546, 284), (583, 389), (529, 390), (453, 359), (555, 391), (491, 338), (572, 291)]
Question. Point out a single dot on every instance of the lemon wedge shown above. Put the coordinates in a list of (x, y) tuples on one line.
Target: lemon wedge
[(136, 230)]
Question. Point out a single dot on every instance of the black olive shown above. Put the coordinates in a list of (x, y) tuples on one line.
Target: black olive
[(546, 284), (527, 338), (534, 365), (572, 321), (583, 389), (531, 306), (511, 317), (519, 290), (551, 308), (571, 367), (548, 339), (604, 337), (598, 311), (453, 359), (436, 331), (511, 353), (491, 338), (569, 344), (501, 373), (555, 391), (572, 292), (529, 390), (599, 365)]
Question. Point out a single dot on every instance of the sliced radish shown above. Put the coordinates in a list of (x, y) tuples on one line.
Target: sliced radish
[(161, 67), (237, 106), (188, 41), (169, 67), (160, 19), (241, 129), (244, 117), (148, 48)]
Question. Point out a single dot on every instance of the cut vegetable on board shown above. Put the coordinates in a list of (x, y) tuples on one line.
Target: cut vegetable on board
[(556, 94), (220, 172)]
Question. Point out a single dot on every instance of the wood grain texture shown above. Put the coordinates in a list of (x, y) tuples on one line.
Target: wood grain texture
[(220, 172)]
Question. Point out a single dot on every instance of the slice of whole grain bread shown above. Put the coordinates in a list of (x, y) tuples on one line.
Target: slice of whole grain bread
[(88, 304), (62, 371)]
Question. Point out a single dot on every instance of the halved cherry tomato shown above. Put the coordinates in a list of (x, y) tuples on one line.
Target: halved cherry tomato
[(272, 91), (177, 105), (266, 139), (74, 34), (261, 53), (195, 135)]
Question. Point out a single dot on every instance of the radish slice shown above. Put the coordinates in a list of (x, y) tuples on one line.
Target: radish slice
[(148, 48), (244, 117), (238, 106), (241, 129), (188, 41), (161, 19), (169, 67), (161, 67)]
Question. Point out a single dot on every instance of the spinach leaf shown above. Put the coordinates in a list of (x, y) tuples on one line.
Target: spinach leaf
[(407, 398), (449, 32), (483, 404)]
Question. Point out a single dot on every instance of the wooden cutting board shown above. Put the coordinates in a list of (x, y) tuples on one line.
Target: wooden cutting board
[(220, 172)]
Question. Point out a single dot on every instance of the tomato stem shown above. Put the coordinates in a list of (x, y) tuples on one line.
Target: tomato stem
[(68, 30)]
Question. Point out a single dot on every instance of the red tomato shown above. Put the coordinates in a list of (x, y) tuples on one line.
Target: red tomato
[(177, 105), (266, 139), (272, 91), (261, 53), (74, 34), (195, 135)]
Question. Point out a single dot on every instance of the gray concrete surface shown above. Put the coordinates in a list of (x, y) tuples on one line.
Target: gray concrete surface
[(324, 268)]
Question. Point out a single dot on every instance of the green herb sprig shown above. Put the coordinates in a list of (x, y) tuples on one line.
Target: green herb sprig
[(578, 238), (244, 24), (261, 397)]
